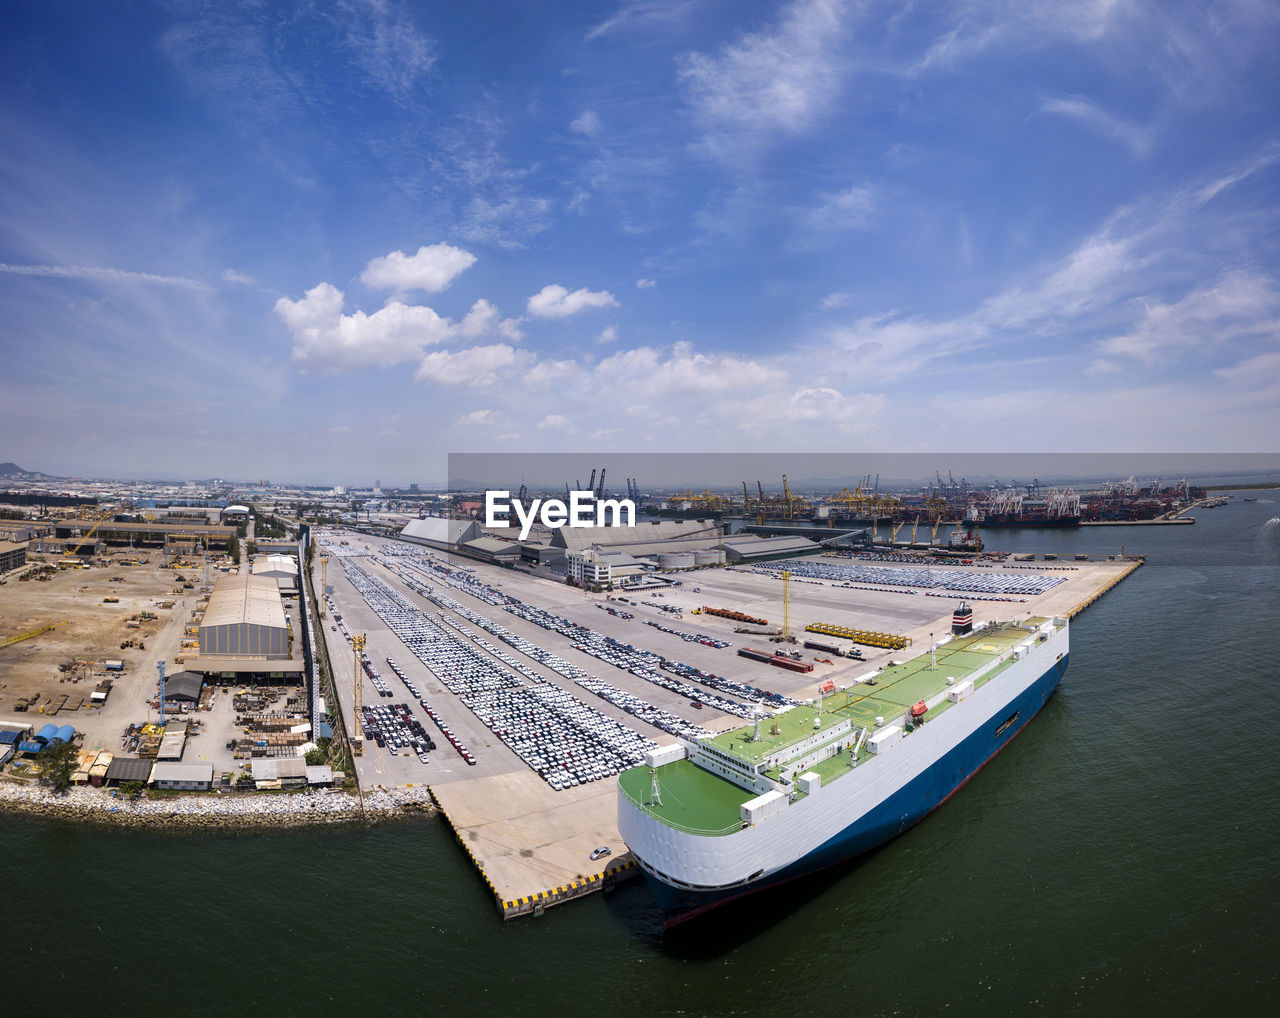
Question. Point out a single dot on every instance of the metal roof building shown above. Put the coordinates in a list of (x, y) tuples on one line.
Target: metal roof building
[(440, 533), (194, 777), (761, 549), (128, 768), (245, 618), (281, 568), (183, 687)]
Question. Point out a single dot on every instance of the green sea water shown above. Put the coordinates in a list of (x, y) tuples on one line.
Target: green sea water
[(1119, 857)]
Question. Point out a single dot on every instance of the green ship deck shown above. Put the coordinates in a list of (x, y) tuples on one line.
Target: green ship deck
[(696, 800)]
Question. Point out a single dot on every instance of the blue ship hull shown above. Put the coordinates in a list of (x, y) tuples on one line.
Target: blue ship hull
[(907, 806)]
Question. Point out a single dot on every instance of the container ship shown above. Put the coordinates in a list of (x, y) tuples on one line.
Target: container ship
[(718, 818)]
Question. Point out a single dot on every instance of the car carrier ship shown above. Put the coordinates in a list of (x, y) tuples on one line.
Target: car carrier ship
[(722, 817)]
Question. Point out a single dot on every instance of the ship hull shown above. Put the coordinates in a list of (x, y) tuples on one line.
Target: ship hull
[(894, 814)]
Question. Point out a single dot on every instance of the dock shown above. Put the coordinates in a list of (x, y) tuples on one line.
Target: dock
[(531, 845)]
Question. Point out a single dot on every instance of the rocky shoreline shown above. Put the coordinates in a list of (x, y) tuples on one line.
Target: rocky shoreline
[(227, 811)]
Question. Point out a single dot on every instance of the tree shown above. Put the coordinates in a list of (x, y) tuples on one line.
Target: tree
[(315, 757), (244, 779), (251, 548), (133, 788), (233, 548), (57, 763)]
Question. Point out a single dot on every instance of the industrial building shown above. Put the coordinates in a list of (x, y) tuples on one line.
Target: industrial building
[(281, 568), (186, 777), (183, 687), (597, 568), (749, 548), (124, 769), (13, 555), (245, 618), (279, 772), (493, 550), (441, 534)]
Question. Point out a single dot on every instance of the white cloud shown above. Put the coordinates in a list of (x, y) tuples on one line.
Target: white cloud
[(340, 429), (477, 365), (386, 45), (1138, 139), (100, 275), (327, 340), (1239, 304), (682, 370), (587, 122), (432, 269), (483, 319), (232, 276), (475, 418), (836, 300), (848, 209), (769, 82), (640, 12), (609, 334), (646, 284), (557, 421), (554, 301)]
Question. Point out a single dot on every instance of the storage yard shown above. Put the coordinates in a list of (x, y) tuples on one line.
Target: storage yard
[(535, 698)]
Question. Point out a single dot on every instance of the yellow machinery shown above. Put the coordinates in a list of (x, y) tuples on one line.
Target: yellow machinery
[(86, 537), (357, 713), (19, 637)]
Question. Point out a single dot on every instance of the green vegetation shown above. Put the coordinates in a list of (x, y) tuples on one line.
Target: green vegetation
[(134, 789), (244, 780), (57, 764), (233, 548), (316, 757), (251, 548)]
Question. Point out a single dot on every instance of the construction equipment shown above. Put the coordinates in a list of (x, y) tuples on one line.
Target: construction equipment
[(357, 713), (101, 519), (19, 637), (893, 539)]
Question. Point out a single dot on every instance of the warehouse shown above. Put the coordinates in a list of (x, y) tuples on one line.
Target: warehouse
[(281, 568), (13, 555), (183, 687), (762, 549), (441, 534), (279, 772), (124, 769), (492, 550), (245, 618), (185, 777)]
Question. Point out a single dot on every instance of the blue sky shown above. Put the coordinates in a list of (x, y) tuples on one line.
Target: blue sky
[(334, 241)]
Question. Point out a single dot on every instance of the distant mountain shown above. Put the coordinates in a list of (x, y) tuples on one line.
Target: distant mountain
[(13, 472)]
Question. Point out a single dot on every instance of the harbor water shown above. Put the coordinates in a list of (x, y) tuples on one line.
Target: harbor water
[(1117, 858)]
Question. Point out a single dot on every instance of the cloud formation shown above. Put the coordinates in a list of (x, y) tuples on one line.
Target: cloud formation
[(555, 301), (431, 268)]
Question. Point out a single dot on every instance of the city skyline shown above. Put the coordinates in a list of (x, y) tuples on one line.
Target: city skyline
[(323, 244)]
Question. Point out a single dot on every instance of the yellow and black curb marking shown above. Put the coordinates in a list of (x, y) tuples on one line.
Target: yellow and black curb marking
[(1134, 565), (536, 902)]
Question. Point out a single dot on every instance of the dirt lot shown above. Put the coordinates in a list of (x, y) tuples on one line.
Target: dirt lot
[(89, 629)]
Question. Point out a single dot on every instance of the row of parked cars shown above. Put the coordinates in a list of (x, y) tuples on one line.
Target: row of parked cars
[(999, 585), (557, 735), (394, 727)]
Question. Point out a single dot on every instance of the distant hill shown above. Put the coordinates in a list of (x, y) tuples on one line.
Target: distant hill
[(10, 468), (13, 472)]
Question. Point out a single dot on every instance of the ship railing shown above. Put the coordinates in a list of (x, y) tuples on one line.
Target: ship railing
[(648, 810)]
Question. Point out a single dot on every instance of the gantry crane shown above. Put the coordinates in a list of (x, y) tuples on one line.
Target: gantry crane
[(357, 696)]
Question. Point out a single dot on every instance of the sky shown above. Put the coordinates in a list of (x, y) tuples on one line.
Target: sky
[(337, 241)]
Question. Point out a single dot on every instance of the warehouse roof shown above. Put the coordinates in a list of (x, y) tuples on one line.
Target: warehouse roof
[(271, 768), (285, 564), (240, 598), (492, 546), (578, 538), (441, 531), (129, 768), (182, 772), (183, 686)]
